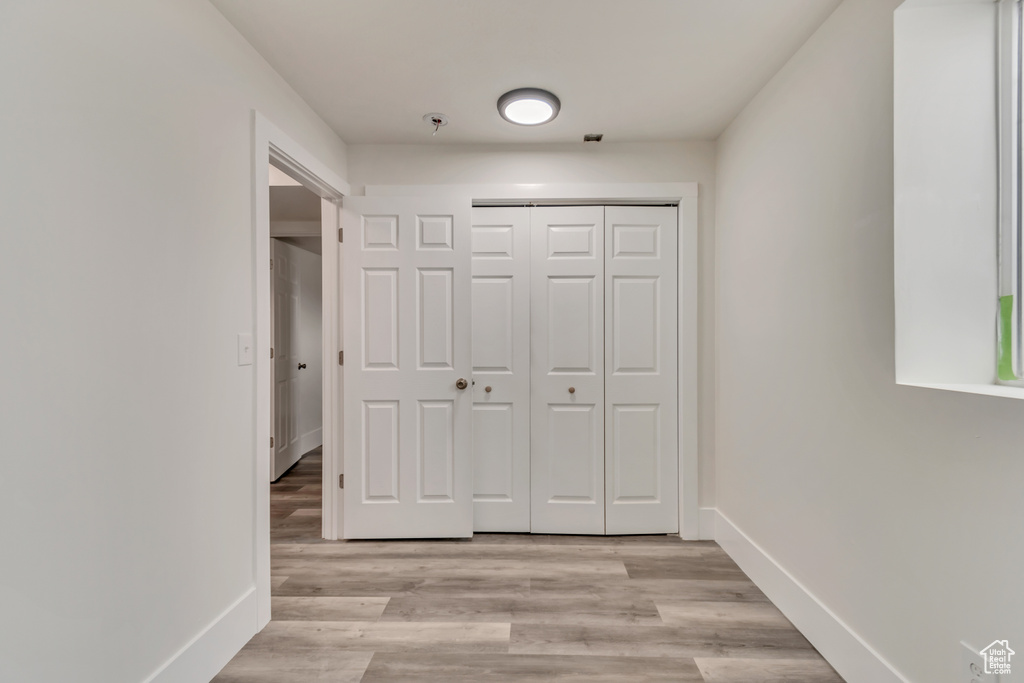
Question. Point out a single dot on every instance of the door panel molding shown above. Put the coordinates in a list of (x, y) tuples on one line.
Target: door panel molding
[(410, 471), (501, 369)]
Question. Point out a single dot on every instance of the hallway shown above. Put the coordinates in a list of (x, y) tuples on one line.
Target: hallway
[(510, 608)]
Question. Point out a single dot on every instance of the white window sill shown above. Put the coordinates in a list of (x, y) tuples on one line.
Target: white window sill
[(986, 389)]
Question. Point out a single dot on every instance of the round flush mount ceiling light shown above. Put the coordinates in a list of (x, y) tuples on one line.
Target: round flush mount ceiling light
[(528, 106)]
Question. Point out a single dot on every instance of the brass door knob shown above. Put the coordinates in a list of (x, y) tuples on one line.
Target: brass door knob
[(487, 389), (572, 390), (461, 384)]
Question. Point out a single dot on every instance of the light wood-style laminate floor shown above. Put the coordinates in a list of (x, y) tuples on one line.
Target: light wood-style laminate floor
[(507, 607)]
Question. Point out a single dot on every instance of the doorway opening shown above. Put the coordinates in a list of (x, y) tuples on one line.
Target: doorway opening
[(296, 458), (273, 146)]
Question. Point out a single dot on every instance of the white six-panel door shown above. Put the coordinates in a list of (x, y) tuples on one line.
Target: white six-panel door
[(567, 358), (501, 369), (285, 321), (407, 425), (641, 451)]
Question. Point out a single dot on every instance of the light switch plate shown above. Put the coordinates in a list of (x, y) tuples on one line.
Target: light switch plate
[(245, 350)]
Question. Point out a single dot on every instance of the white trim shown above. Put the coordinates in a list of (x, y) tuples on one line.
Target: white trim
[(683, 194), (707, 523), (1005, 389), (562, 193), (204, 656), (308, 441), (688, 364), (848, 654), (271, 144), (295, 228), (333, 405)]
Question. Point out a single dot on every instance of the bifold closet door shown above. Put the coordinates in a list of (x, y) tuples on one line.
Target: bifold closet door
[(641, 443), (568, 368), (501, 369)]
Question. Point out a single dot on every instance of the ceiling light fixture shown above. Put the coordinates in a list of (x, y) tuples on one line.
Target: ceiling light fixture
[(528, 106)]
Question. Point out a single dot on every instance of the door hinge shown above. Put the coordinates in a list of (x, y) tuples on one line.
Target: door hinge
[(341, 481), (271, 442), (340, 232), (271, 264), (271, 351), (341, 357)]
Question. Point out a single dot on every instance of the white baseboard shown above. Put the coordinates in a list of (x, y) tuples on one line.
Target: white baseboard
[(309, 441), (213, 647), (854, 659), (707, 524)]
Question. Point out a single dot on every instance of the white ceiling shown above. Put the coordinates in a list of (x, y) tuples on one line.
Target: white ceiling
[(636, 70)]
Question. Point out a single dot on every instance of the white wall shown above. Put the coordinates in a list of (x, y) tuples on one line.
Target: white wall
[(126, 500), (605, 162), (898, 507)]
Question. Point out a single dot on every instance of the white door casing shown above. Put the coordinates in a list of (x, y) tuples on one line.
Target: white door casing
[(407, 427), (501, 369), (567, 358), (641, 447)]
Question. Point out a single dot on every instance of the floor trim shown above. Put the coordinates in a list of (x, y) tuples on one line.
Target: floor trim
[(212, 648), (848, 654), (707, 524)]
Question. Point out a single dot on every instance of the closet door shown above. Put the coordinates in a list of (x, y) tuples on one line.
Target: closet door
[(641, 447), (568, 368), (407, 410), (501, 369)]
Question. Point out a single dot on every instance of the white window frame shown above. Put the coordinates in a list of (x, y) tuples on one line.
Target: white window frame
[(1011, 115)]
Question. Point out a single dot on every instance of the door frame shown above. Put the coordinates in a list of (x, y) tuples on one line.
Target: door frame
[(685, 196), (270, 145)]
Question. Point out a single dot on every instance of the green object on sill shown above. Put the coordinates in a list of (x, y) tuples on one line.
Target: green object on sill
[(1006, 338)]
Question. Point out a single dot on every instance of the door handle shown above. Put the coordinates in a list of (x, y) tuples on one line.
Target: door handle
[(572, 390), (461, 384), (302, 366), (487, 389)]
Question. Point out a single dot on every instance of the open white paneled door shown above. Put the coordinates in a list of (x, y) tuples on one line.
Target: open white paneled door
[(284, 312), (641, 444), (567, 384), (501, 369), (408, 460)]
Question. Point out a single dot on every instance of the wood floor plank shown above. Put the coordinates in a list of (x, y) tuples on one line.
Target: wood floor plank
[(301, 608), (256, 665), (658, 641), (344, 584), (663, 589), (718, 566), (621, 612), (462, 568), (383, 637), (307, 512), (403, 668), (767, 671), (721, 614)]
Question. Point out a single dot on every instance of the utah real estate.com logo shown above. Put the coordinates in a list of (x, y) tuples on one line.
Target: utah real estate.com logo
[(997, 657)]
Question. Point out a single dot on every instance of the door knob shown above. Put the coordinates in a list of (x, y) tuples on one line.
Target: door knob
[(487, 389), (461, 384), (302, 366), (572, 390)]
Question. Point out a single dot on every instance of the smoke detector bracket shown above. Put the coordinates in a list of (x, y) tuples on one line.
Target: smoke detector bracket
[(436, 120)]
